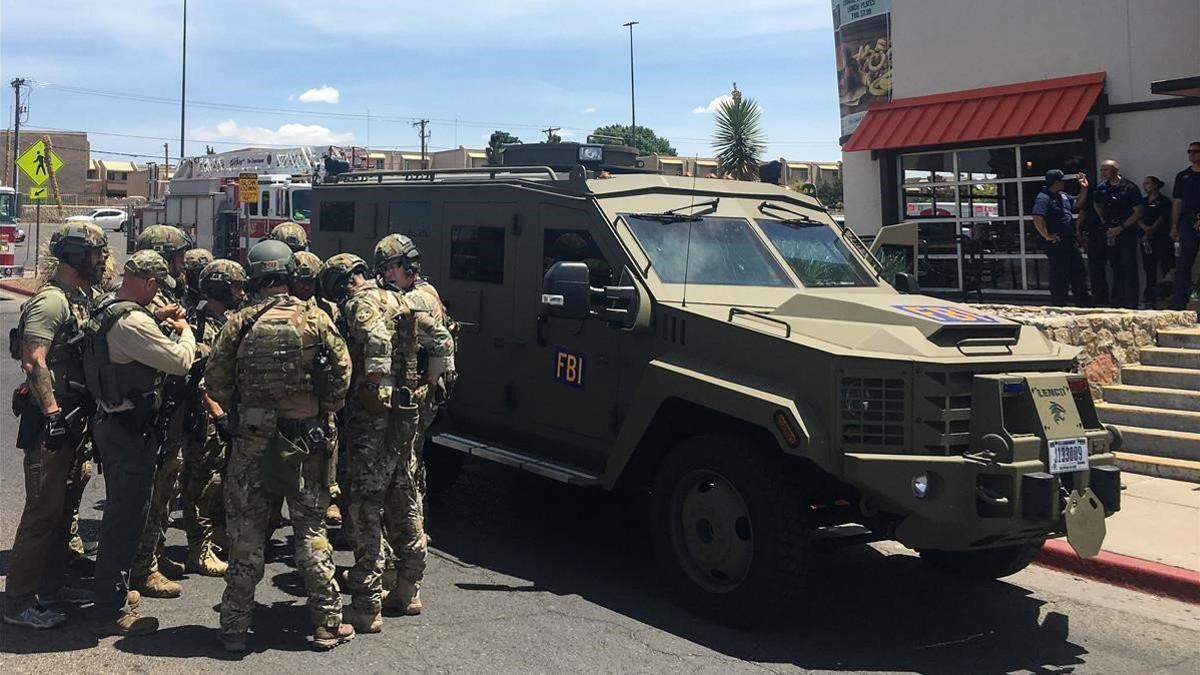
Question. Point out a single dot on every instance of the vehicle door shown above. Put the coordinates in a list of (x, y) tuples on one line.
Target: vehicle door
[(108, 219), (477, 245), (569, 370)]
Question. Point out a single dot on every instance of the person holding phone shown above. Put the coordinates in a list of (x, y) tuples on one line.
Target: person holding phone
[(1053, 216)]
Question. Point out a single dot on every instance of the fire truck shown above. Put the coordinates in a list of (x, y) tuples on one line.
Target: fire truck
[(207, 196)]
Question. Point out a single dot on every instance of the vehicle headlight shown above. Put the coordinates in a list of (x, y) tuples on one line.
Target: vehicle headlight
[(920, 485)]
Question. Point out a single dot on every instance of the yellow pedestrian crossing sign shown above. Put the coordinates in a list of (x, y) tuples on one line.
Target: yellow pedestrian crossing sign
[(37, 163), (39, 194)]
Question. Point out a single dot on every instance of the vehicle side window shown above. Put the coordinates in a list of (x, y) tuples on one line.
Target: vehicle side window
[(266, 203), (576, 246), (410, 218), (337, 217), (252, 209), (477, 254)]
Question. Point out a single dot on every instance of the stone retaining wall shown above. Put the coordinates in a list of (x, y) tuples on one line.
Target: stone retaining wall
[(1110, 338)]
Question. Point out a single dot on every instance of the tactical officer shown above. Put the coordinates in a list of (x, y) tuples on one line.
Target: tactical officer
[(51, 429), (125, 355), (152, 570), (1118, 202), (304, 286), (280, 367), (1056, 224), (1185, 225), (382, 430), (206, 448), (194, 261), (292, 234), (398, 266)]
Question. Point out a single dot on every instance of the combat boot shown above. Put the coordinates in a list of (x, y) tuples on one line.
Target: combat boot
[(203, 560), (169, 568), (388, 579), (363, 620), (155, 585), (134, 599), (405, 597), (333, 516), (326, 638), (127, 623)]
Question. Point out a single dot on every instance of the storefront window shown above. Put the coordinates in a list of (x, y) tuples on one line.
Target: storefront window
[(975, 204), (935, 167)]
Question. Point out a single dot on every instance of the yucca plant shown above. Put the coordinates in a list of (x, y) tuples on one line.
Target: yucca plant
[(739, 140)]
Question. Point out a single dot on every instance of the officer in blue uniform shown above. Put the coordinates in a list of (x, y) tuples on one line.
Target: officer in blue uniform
[(1053, 216)]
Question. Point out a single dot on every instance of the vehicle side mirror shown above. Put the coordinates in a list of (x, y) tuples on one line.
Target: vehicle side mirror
[(906, 283), (566, 291)]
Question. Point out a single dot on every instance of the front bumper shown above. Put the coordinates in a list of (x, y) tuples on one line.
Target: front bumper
[(971, 504)]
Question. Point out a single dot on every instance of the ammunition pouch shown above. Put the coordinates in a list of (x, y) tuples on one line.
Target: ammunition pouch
[(283, 459)]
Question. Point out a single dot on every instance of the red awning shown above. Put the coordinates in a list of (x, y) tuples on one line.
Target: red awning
[(1008, 111)]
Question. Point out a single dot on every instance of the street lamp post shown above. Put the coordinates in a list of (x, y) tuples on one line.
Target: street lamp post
[(632, 103), (183, 82)]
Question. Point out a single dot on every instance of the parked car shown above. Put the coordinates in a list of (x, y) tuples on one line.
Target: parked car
[(109, 219)]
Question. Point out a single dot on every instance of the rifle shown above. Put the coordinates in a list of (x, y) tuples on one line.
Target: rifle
[(178, 390)]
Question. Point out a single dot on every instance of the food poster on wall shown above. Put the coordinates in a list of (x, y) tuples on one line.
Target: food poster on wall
[(863, 45)]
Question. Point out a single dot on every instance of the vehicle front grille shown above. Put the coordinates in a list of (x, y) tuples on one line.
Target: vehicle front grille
[(942, 412), (873, 413)]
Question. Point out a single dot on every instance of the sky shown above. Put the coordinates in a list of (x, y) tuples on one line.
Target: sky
[(279, 73)]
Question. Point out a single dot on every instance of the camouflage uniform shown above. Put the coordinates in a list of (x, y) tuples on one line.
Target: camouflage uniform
[(382, 429), (169, 242), (266, 409), (424, 296), (205, 451)]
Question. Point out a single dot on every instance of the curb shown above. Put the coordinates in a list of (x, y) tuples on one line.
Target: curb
[(1120, 570), (1161, 467), (16, 289)]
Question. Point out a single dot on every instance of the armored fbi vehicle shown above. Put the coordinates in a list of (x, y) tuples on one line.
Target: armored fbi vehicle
[(728, 347)]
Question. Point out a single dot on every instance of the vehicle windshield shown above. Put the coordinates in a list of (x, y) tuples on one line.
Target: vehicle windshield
[(707, 250), (301, 204), (818, 256), (8, 207)]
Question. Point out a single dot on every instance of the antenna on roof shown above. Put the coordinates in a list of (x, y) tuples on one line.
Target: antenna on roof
[(687, 253)]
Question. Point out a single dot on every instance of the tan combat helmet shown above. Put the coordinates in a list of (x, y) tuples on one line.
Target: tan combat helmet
[(218, 279), (292, 234), (165, 240), (397, 249), (336, 273), (194, 261), (308, 265)]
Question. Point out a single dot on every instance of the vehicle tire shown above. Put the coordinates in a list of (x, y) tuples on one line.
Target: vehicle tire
[(730, 533), (442, 468), (984, 564), (123, 226)]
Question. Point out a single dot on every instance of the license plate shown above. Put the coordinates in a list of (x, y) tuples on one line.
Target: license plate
[(1068, 454)]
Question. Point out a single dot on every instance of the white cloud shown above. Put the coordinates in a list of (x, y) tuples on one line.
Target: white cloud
[(322, 94), (589, 110), (287, 134), (712, 105), (565, 133)]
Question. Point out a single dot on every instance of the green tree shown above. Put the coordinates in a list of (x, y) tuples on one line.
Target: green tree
[(739, 140), (497, 140), (648, 142), (829, 191)]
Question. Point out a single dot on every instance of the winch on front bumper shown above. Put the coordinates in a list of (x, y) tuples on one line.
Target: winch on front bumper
[(1034, 462)]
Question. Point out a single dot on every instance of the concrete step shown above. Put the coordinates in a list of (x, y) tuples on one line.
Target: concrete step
[(1171, 357), (1175, 469), (1183, 337), (1160, 443), (1149, 417), (1158, 376), (1152, 397)]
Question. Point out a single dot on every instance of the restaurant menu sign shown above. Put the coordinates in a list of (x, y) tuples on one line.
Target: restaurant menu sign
[(863, 45)]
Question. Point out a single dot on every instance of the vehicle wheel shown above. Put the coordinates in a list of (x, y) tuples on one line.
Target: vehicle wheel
[(729, 531), (988, 563), (442, 467), (123, 226)]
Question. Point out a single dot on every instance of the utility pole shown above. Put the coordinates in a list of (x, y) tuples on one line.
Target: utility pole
[(183, 83), (166, 156), (424, 138), (17, 83), (632, 105), (550, 134)]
